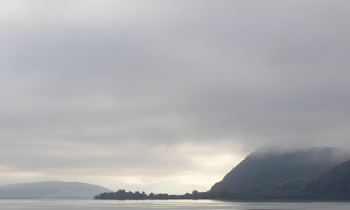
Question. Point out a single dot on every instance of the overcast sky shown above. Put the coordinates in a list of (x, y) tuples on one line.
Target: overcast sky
[(166, 95)]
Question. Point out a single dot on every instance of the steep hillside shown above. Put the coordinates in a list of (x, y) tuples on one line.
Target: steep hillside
[(278, 175), (334, 184), (51, 190)]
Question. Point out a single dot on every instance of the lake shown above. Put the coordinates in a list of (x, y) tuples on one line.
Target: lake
[(165, 204)]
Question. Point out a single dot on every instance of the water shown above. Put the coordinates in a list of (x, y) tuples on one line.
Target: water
[(165, 204)]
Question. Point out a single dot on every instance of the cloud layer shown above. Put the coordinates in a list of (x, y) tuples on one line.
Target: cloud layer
[(166, 95)]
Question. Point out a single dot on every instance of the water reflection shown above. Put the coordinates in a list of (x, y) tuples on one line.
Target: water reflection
[(165, 205)]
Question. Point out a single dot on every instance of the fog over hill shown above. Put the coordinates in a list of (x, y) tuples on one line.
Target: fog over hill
[(278, 174), (51, 190)]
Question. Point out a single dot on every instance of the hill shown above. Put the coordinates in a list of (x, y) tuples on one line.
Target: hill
[(51, 190), (277, 175), (334, 184)]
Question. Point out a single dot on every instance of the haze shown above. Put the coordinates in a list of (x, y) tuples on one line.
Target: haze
[(166, 95)]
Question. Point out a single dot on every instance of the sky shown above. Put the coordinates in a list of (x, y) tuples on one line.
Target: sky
[(166, 95)]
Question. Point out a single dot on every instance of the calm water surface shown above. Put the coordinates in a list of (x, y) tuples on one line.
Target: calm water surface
[(164, 204)]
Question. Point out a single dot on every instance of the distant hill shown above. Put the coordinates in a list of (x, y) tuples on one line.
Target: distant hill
[(334, 184), (278, 175), (51, 190)]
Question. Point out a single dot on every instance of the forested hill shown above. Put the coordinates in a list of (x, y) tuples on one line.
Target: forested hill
[(278, 175), (334, 184)]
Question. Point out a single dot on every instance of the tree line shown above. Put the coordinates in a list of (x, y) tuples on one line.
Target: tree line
[(124, 195)]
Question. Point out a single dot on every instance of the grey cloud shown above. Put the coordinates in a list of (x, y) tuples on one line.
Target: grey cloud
[(168, 73)]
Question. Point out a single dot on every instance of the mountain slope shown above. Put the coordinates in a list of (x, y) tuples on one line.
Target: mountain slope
[(334, 184), (51, 190), (277, 175)]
